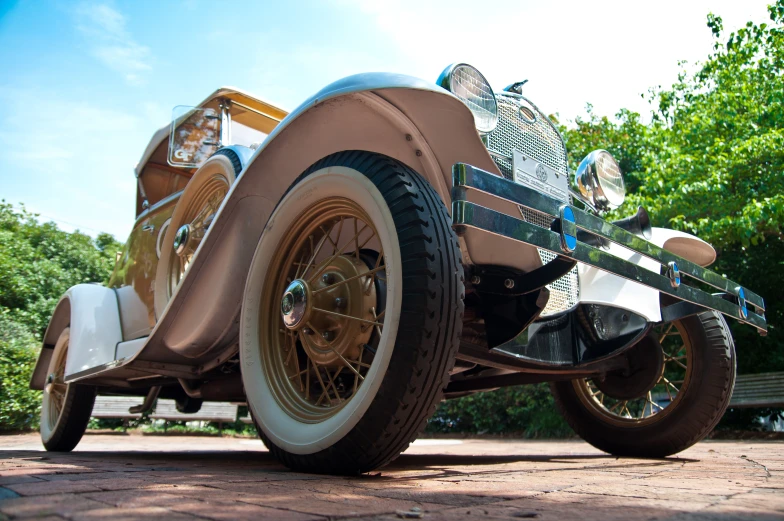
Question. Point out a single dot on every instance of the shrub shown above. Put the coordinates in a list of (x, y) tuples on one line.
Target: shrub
[(20, 406), (526, 410)]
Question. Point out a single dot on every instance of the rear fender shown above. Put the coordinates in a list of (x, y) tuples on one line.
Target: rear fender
[(92, 313)]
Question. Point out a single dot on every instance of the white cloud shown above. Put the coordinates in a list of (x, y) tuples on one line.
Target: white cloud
[(111, 43), (606, 52)]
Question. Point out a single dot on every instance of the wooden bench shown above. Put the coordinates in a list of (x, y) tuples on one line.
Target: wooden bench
[(219, 412), (116, 407), (247, 419), (758, 390)]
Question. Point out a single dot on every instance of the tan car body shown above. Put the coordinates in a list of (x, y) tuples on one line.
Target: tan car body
[(408, 119), (411, 120)]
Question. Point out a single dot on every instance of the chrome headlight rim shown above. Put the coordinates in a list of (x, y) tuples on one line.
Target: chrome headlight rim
[(447, 80), (593, 185)]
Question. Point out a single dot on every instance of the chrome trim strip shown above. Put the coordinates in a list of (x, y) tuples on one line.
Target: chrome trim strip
[(151, 209), (465, 213)]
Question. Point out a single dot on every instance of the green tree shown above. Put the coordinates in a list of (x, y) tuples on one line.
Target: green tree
[(19, 405), (710, 163), (39, 262)]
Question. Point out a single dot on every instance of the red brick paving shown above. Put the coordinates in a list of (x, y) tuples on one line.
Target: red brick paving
[(121, 477)]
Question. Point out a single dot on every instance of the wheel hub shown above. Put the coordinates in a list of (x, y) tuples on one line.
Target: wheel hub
[(182, 238), (321, 310), (294, 304), (49, 383), (646, 366)]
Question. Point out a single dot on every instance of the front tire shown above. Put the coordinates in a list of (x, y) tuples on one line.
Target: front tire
[(65, 408), (684, 405), (352, 374)]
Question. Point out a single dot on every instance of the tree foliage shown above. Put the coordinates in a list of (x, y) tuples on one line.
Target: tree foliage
[(527, 410), (19, 405), (39, 262), (710, 163)]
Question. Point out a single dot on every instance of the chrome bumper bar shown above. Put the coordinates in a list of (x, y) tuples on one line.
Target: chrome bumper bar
[(732, 300)]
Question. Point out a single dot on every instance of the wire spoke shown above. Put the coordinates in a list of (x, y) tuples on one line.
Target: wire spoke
[(653, 404), (330, 382), (307, 376), (622, 404), (378, 328), (342, 358), (335, 314), (315, 252), (350, 279), (666, 333), (356, 239), (318, 377), (335, 256), (670, 384), (677, 361), (359, 367)]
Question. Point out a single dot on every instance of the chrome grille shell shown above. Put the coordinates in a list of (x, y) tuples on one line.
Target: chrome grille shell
[(538, 138)]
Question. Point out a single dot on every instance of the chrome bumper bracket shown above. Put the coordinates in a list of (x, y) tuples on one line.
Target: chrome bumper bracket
[(733, 300)]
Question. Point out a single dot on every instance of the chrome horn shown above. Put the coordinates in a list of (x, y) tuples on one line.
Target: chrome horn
[(638, 224)]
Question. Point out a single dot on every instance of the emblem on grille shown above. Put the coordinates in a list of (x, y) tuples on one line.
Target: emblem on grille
[(541, 173), (527, 114)]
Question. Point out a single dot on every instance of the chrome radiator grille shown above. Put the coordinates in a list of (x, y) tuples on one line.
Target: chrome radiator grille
[(538, 139), (522, 126)]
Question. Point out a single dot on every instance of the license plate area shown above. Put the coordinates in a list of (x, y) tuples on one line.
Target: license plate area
[(540, 177)]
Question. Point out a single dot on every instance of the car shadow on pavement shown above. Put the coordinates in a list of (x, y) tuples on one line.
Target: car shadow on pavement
[(445, 486)]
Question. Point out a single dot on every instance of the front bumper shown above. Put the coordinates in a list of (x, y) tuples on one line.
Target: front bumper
[(562, 239)]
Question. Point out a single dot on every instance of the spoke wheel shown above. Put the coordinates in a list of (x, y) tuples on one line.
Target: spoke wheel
[(65, 408), (193, 216), (351, 315), (323, 319), (688, 391), (195, 221), (655, 403)]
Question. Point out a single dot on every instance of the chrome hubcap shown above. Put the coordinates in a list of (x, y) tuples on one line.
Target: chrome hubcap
[(49, 383), (181, 239), (294, 304)]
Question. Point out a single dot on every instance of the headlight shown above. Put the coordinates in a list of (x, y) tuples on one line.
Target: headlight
[(599, 179), (472, 88)]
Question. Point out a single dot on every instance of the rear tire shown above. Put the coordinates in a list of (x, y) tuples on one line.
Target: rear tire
[(692, 413), (66, 408), (421, 298)]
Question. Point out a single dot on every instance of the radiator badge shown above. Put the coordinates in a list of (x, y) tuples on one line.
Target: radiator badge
[(541, 173)]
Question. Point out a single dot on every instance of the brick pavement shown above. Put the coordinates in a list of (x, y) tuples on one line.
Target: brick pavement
[(122, 477)]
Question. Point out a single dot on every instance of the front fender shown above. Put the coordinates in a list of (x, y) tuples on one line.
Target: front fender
[(411, 120), (685, 245), (601, 287), (92, 313)]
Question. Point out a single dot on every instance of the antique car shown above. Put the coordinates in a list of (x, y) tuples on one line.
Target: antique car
[(391, 243)]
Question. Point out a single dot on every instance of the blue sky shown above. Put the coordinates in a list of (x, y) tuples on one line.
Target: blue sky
[(85, 84)]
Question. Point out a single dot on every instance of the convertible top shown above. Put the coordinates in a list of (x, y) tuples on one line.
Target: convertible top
[(247, 110)]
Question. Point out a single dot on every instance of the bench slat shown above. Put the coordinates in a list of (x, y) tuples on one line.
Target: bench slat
[(758, 390), (210, 411), (116, 407)]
